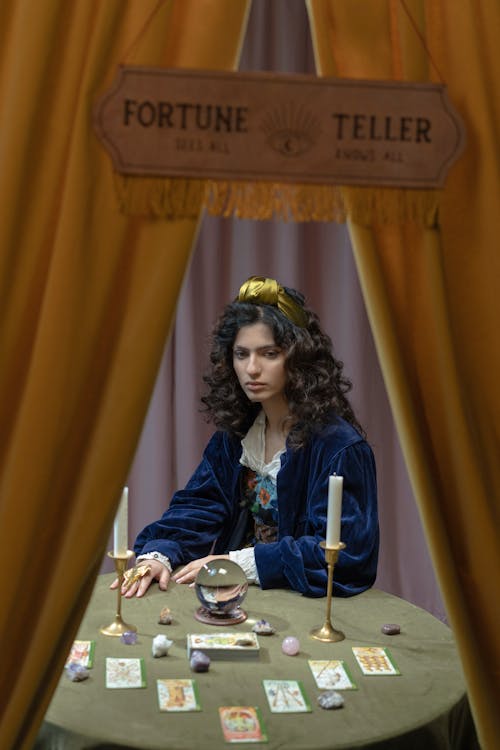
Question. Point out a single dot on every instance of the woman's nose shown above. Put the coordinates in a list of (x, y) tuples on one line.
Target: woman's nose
[(253, 366)]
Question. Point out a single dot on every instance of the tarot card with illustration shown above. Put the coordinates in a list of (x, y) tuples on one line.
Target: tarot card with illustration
[(82, 653), (375, 660), (331, 674), (178, 695), (125, 673), (286, 696), (242, 724)]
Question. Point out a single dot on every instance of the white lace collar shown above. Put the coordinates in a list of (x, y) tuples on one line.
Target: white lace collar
[(254, 446)]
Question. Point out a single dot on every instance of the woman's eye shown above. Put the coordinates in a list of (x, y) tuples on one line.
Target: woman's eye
[(271, 354), (239, 355)]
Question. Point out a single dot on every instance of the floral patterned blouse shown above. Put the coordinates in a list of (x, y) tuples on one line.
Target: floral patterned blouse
[(259, 495)]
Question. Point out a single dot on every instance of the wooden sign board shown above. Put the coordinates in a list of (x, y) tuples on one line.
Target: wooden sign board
[(278, 127)]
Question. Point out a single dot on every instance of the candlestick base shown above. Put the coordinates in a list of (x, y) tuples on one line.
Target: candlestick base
[(118, 627), (327, 633)]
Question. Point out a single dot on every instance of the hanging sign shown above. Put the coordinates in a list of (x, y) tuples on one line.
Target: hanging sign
[(278, 127)]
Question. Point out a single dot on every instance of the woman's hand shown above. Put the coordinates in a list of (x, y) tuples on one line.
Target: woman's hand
[(158, 572), (188, 573)]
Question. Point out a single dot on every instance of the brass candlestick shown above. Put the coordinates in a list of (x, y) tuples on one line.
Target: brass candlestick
[(118, 626), (327, 632)]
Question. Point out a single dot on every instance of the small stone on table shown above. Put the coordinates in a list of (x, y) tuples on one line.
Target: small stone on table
[(263, 627), (199, 661), (160, 645), (129, 638), (330, 699), (390, 628), (290, 645), (165, 616), (76, 672)]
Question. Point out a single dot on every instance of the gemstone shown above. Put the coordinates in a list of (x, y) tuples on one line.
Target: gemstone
[(160, 646), (76, 672), (263, 627), (165, 616), (290, 645), (390, 629), (129, 638), (330, 699), (199, 661)]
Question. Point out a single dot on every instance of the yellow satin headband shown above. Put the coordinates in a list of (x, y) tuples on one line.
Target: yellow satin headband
[(259, 290)]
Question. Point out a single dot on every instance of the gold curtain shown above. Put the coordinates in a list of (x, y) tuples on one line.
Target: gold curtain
[(86, 300), (433, 297)]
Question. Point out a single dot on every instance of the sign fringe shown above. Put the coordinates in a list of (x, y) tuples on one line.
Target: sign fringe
[(184, 198)]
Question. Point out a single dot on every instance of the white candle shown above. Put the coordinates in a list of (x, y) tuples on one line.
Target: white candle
[(120, 529), (335, 484)]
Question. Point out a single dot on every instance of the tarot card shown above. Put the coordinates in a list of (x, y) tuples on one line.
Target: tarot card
[(125, 673), (286, 696), (242, 724), (331, 675), (178, 695), (375, 660), (82, 653)]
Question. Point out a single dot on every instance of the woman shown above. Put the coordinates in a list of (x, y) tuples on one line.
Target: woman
[(259, 496)]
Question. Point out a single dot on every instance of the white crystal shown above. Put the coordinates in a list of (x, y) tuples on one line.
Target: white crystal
[(160, 646), (330, 699)]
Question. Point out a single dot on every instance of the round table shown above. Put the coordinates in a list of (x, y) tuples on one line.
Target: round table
[(423, 707)]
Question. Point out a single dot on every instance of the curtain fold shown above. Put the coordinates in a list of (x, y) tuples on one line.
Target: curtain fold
[(432, 298), (87, 296)]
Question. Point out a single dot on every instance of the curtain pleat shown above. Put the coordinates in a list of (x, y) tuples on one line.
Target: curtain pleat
[(87, 296), (433, 302)]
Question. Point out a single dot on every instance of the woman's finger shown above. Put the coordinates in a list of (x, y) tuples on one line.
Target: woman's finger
[(164, 579), (144, 584)]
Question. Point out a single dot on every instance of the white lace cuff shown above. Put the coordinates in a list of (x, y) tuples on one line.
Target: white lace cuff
[(245, 558), (163, 559)]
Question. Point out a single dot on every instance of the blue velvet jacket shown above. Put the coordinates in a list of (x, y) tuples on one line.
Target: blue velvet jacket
[(202, 516)]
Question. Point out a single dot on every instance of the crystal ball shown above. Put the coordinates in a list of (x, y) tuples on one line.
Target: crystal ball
[(221, 586)]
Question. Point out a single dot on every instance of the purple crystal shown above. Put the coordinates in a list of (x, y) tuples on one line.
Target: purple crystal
[(199, 661), (76, 672), (263, 627), (129, 638), (290, 645)]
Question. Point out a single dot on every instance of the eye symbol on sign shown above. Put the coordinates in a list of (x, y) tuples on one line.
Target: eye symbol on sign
[(290, 130), (290, 143)]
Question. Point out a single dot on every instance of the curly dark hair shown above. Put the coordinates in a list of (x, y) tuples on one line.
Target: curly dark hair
[(316, 385)]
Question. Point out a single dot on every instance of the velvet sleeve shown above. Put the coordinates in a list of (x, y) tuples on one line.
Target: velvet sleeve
[(200, 517), (297, 561)]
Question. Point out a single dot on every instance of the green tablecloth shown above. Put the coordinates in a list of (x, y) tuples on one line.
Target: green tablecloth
[(424, 707)]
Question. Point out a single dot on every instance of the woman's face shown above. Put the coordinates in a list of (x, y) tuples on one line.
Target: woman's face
[(259, 364)]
